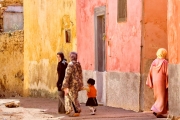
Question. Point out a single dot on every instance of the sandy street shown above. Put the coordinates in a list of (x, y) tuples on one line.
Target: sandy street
[(46, 109)]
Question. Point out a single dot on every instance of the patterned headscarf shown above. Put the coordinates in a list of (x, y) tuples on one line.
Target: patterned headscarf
[(161, 53), (73, 56)]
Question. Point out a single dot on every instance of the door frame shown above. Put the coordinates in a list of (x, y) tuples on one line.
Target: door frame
[(99, 11)]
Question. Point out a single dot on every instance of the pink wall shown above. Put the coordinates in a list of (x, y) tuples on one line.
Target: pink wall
[(123, 53), (125, 38), (174, 31), (85, 31)]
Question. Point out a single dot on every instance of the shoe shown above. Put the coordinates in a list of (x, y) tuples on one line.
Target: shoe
[(155, 113), (92, 113), (93, 110), (67, 112), (62, 112), (74, 114), (160, 116)]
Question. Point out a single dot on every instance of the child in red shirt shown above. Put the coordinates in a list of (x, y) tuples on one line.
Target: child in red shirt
[(91, 93)]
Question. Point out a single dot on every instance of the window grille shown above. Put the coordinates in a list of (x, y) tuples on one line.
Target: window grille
[(122, 10)]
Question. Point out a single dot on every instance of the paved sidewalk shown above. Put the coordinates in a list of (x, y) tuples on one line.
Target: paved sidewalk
[(46, 109)]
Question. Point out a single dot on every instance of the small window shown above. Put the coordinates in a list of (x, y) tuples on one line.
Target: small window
[(122, 10), (68, 36), (12, 19)]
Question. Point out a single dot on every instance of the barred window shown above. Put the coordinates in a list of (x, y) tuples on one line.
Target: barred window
[(122, 11)]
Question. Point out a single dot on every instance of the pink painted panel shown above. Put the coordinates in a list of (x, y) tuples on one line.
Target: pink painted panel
[(124, 38), (123, 50), (85, 31)]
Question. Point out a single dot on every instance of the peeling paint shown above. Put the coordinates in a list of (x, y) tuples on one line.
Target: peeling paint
[(46, 30), (11, 59)]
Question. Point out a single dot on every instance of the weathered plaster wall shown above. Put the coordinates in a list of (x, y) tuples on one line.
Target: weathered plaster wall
[(173, 20), (174, 89), (45, 23), (154, 28), (123, 57), (124, 38), (122, 90), (154, 33), (11, 61), (85, 31)]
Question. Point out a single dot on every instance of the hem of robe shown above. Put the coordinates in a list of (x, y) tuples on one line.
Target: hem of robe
[(154, 109)]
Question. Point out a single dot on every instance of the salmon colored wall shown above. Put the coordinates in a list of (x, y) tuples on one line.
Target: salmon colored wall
[(155, 27), (154, 36), (174, 31), (124, 38)]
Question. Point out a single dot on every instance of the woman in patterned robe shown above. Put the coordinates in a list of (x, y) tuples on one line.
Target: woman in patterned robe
[(72, 84)]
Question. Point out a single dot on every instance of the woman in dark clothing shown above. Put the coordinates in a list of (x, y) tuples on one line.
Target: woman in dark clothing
[(61, 68)]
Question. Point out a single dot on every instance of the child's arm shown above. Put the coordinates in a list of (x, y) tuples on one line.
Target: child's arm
[(86, 88)]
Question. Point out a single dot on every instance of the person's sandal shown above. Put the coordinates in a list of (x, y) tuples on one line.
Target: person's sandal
[(72, 114), (92, 113), (67, 112), (160, 116), (94, 109), (155, 114)]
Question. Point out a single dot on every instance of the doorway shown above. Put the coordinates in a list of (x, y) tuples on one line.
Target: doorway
[(100, 39), (100, 56)]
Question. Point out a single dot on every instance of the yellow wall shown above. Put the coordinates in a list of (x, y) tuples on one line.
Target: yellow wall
[(45, 22), (11, 61)]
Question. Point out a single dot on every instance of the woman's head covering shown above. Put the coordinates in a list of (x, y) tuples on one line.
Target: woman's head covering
[(61, 55), (73, 56), (161, 53)]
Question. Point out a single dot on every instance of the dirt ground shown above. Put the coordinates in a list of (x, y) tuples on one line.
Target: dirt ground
[(30, 109), (46, 109)]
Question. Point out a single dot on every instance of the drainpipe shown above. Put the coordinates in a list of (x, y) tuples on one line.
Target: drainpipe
[(141, 95)]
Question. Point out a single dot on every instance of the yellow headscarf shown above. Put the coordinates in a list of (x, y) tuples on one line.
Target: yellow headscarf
[(161, 53)]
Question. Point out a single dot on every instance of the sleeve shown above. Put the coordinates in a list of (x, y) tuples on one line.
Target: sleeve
[(81, 78), (149, 79), (58, 72), (59, 68), (60, 76), (67, 77), (166, 72)]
